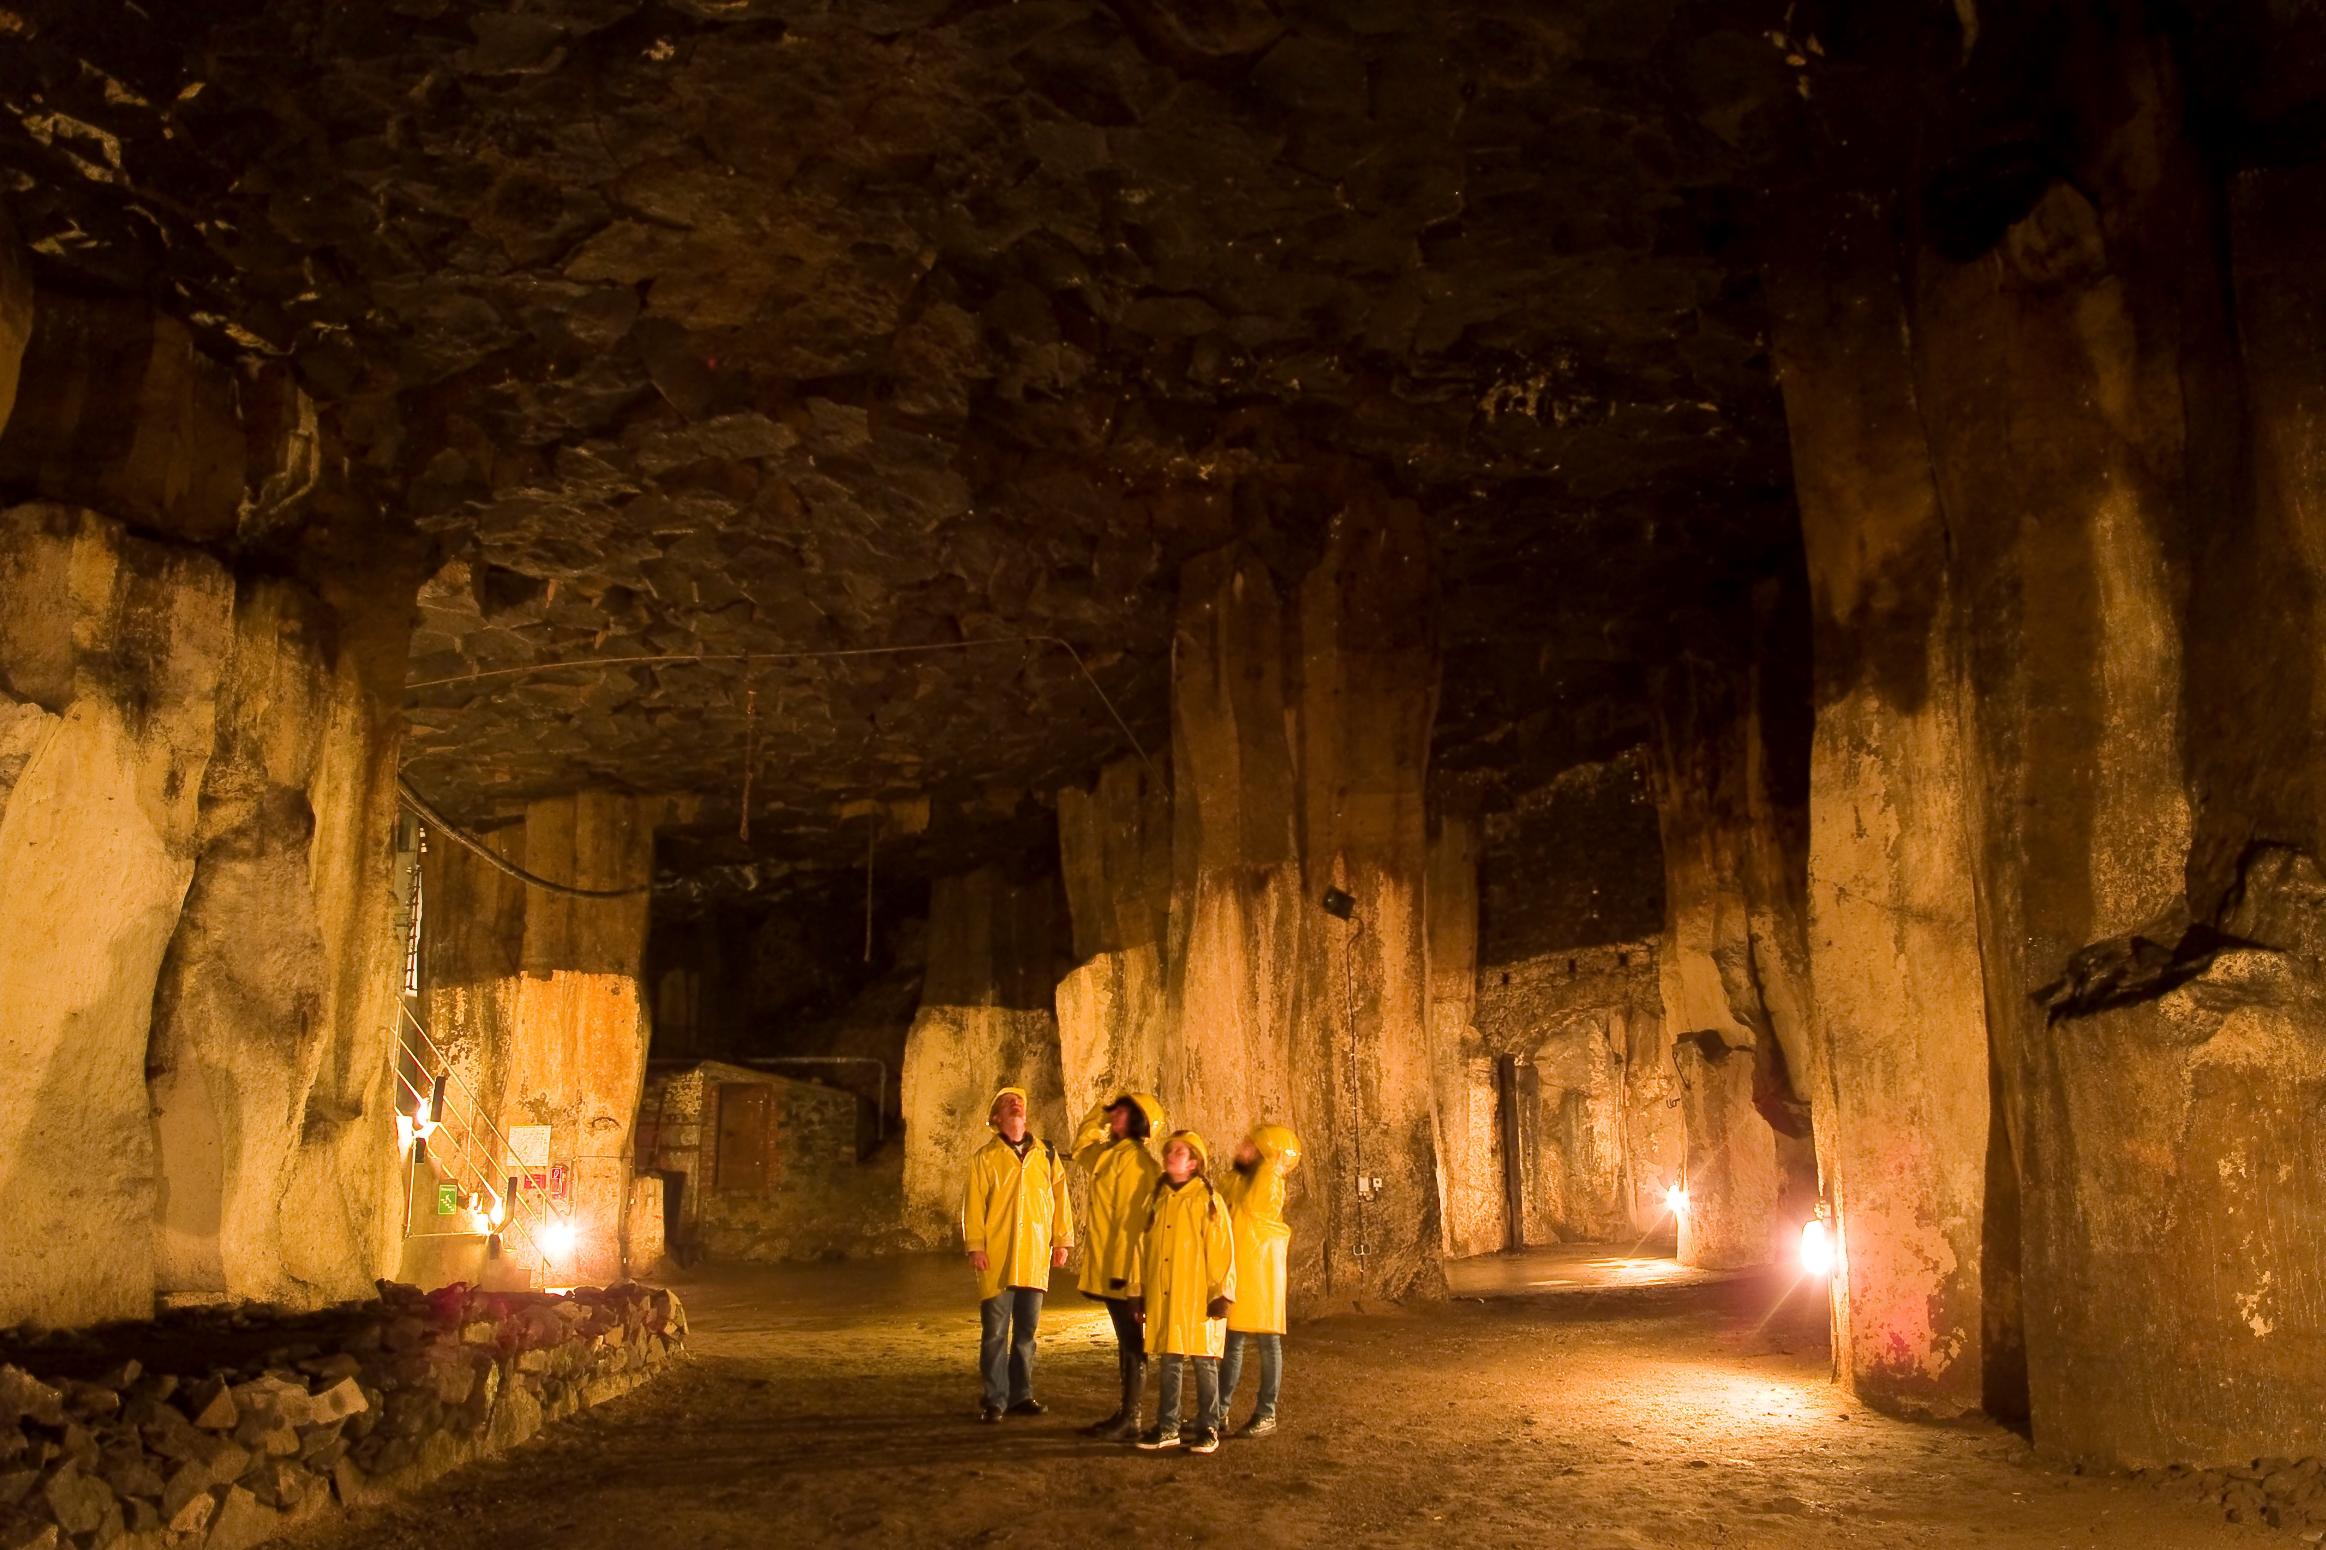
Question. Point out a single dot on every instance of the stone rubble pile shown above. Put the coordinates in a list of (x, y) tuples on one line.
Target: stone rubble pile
[(2278, 1493), (351, 1407)]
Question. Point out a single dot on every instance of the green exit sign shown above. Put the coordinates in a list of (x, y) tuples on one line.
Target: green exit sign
[(447, 1199)]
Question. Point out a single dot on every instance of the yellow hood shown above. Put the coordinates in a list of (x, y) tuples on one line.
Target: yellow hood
[(1278, 1144), (1149, 1106), (1195, 1144)]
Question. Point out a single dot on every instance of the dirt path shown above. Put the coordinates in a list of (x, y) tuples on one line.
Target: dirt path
[(832, 1406)]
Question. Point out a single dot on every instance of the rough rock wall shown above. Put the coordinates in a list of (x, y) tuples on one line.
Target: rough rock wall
[(1731, 802), (536, 999), (110, 655), (2117, 439), (1114, 849), (1571, 908), (1902, 1095), (1598, 1103), (1368, 695), (579, 1061), (267, 1055), (1300, 743), (1239, 901), (1469, 1131), (985, 1022)]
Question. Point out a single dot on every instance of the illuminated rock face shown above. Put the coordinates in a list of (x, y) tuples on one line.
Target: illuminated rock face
[(535, 998), (1300, 742), (985, 1023), (2065, 898), (108, 732), (1731, 803), (196, 813), (270, 1084)]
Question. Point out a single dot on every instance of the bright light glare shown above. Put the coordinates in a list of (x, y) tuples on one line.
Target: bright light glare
[(1676, 1200), (1816, 1248), (557, 1239)]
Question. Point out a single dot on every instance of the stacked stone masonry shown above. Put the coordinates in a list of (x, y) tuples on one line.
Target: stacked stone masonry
[(127, 1437)]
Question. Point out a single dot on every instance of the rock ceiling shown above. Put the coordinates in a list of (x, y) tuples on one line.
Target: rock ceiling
[(747, 327)]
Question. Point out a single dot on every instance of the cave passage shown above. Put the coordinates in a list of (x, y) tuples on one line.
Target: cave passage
[(1607, 712)]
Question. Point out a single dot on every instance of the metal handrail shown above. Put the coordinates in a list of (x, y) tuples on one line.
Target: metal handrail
[(527, 1212)]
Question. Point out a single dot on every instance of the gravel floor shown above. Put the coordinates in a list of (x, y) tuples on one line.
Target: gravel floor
[(1586, 1406)]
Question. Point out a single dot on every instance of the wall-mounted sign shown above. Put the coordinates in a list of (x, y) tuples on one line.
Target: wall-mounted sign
[(447, 1199), (529, 1145), (561, 1182)]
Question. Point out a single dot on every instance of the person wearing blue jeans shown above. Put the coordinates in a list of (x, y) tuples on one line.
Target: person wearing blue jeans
[(1271, 1352), (1005, 1355), (1170, 1369)]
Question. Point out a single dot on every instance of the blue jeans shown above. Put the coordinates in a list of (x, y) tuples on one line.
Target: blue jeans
[(1271, 1349), (1006, 1355), (1170, 1370)]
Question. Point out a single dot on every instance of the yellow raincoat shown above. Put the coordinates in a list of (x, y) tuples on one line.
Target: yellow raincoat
[(1123, 1174), (1013, 1210), (1190, 1260), (1263, 1239)]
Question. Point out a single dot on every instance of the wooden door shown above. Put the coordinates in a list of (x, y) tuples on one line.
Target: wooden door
[(741, 1163)]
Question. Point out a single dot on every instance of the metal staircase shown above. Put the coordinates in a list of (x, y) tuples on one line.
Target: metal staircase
[(446, 1126)]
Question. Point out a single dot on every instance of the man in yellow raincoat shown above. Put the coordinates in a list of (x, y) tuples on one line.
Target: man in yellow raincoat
[(1255, 1193), (1017, 1225), (1188, 1276), (1112, 1144)]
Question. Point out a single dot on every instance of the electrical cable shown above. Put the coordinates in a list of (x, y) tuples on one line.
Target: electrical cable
[(802, 656), (452, 831)]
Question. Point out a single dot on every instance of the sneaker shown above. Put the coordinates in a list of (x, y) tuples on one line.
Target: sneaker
[(1206, 1441), (1028, 1406), (989, 1413), (1258, 1426), (1154, 1438)]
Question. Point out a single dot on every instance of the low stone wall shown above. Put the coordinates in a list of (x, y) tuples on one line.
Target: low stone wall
[(119, 1443)]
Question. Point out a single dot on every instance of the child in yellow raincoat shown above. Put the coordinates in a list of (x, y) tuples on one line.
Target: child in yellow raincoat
[(1189, 1278), (1112, 1144), (1254, 1189)]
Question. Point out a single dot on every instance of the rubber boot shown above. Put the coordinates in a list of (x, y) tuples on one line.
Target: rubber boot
[(1126, 1427), (1124, 1362)]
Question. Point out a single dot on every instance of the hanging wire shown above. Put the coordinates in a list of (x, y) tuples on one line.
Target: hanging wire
[(530, 669), (452, 831)]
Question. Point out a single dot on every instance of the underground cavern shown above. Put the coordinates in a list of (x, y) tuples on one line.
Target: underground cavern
[(1541, 771)]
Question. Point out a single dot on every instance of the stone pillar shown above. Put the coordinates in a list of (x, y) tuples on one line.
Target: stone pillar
[(1731, 805), (111, 649), (1901, 1097), (985, 1022), (1114, 848), (268, 1055), (1237, 905), (578, 1062), (1364, 1093), (1469, 1123)]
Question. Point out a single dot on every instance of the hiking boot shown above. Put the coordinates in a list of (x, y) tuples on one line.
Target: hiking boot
[(1154, 1439), (1028, 1406), (1258, 1426), (1124, 1430), (1205, 1441), (1101, 1428)]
